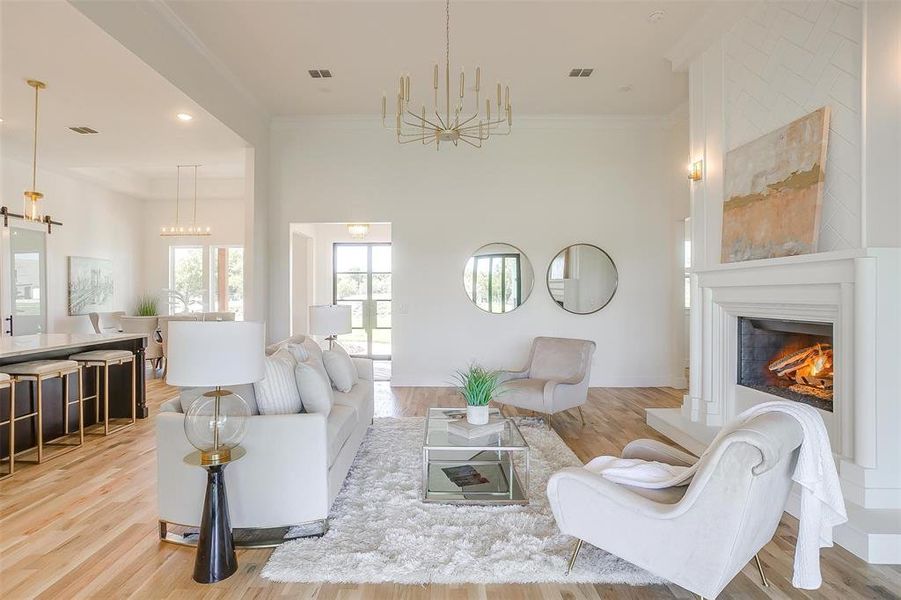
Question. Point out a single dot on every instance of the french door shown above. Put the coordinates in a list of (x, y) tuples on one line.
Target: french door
[(362, 280), (24, 301)]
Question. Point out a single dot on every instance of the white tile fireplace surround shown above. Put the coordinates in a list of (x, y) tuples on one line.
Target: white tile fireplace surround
[(858, 292)]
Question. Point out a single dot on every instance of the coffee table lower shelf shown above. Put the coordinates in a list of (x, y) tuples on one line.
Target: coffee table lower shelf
[(505, 484)]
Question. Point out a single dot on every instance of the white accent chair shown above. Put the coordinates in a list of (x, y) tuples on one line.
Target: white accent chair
[(554, 380), (293, 470), (698, 536)]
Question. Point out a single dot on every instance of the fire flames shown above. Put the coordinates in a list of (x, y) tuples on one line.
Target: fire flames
[(807, 371)]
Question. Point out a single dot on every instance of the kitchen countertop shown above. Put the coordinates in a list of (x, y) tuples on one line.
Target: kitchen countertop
[(21, 345)]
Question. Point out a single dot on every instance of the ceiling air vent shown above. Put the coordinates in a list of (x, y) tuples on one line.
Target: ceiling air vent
[(580, 72), (319, 73), (83, 130)]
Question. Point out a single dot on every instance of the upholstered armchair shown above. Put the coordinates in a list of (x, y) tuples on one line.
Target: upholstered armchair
[(555, 378), (698, 536)]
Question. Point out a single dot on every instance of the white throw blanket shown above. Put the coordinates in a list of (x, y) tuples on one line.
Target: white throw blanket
[(822, 504)]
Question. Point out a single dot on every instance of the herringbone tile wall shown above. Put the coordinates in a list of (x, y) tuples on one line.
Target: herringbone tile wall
[(786, 59)]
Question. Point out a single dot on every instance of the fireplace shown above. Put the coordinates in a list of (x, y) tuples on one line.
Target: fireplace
[(790, 359)]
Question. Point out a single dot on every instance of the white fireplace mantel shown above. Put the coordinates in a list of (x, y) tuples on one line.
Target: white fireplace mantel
[(857, 292)]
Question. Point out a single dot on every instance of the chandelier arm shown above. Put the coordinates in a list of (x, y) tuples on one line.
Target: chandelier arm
[(479, 145), (476, 125), (412, 114)]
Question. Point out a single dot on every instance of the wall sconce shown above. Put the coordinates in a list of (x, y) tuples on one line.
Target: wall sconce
[(696, 170), (358, 231)]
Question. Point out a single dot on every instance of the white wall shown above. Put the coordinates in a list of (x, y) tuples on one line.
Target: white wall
[(224, 216), (97, 223), (554, 182), (786, 59)]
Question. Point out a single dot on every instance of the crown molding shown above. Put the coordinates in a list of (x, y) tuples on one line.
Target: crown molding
[(524, 122)]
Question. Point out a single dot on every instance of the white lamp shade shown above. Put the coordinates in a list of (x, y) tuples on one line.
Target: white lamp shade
[(211, 353), (330, 319)]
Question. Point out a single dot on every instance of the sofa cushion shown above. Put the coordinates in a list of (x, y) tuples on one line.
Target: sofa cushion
[(314, 387), (276, 393), (356, 399), (340, 425), (341, 369), (524, 393), (187, 395)]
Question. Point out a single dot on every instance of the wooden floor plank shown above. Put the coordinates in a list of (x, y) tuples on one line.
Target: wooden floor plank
[(84, 525)]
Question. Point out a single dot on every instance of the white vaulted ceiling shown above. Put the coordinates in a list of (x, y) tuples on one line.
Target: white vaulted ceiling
[(270, 46)]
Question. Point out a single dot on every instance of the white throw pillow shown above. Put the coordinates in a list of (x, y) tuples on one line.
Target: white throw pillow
[(298, 352), (314, 387), (277, 393), (340, 368)]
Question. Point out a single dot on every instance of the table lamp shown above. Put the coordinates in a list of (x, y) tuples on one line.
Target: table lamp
[(215, 354), (330, 320)]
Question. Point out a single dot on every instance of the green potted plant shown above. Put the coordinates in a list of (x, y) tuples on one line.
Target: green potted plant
[(477, 386), (147, 306)]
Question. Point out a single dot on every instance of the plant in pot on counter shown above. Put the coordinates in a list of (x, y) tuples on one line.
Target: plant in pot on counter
[(478, 386)]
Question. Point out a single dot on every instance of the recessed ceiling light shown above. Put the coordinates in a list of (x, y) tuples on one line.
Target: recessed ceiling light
[(1, 120), (184, 117), (656, 16)]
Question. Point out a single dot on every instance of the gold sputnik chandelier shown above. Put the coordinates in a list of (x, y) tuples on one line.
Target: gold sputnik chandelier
[(457, 123)]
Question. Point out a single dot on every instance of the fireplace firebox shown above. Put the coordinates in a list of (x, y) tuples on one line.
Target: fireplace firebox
[(790, 359)]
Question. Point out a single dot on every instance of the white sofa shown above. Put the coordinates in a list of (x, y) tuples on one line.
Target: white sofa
[(294, 466)]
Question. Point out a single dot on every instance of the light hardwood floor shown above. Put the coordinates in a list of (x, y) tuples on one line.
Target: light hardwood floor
[(85, 525)]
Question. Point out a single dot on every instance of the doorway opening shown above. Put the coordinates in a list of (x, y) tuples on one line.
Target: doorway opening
[(331, 263)]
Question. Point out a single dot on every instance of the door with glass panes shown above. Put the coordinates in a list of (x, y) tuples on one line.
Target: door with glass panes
[(362, 280)]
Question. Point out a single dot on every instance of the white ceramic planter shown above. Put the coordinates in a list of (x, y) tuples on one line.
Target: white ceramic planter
[(477, 415)]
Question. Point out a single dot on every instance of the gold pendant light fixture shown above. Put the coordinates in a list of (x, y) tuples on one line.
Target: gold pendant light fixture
[(457, 123), (179, 230), (32, 196)]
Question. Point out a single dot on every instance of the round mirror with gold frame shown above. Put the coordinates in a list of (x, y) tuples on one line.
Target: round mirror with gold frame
[(582, 279), (498, 278)]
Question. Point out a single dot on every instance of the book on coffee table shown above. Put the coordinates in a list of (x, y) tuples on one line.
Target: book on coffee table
[(469, 431)]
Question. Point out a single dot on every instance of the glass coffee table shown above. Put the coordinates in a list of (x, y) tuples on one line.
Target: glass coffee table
[(493, 469)]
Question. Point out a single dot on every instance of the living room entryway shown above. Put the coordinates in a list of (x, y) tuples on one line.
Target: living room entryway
[(346, 264)]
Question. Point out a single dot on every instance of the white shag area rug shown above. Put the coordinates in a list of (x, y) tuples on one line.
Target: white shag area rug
[(381, 532)]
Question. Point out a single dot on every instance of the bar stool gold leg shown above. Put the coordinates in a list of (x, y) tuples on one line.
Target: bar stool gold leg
[(12, 428), (65, 393), (97, 395), (134, 391), (106, 400), (40, 432), (80, 408)]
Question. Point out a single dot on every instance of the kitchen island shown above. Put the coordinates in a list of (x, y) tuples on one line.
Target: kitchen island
[(43, 346)]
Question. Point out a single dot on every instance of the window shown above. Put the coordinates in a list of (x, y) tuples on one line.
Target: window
[(186, 279), (227, 280)]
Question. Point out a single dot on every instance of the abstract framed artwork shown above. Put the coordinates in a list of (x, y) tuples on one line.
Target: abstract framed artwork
[(774, 191), (90, 285)]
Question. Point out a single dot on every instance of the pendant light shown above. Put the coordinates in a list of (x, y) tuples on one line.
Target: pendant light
[(32, 195), (179, 230)]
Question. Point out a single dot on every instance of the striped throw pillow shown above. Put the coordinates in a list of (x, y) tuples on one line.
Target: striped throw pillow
[(277, 392)]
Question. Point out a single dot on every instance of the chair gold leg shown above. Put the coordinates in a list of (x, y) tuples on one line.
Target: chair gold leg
[(572, 559), (97, 395), (763, 578), (12, 427)]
